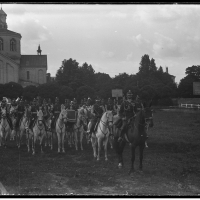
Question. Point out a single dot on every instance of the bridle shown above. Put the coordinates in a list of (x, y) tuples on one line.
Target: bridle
[(105, 124)]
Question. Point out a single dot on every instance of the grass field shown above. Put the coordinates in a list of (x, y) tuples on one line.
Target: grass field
[(171, 165)]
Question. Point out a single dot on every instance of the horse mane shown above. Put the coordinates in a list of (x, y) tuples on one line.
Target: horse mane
[(139, 120)]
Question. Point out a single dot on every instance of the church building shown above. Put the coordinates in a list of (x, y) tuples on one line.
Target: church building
[(14, 67)]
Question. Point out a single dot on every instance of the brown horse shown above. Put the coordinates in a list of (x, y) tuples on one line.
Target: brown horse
[(135, 135)]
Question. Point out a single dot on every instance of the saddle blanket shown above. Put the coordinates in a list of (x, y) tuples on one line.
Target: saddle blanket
[(71, 115)]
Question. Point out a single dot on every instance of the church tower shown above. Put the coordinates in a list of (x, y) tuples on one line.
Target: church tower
[(10, 41), (3, 16), (39, 51)]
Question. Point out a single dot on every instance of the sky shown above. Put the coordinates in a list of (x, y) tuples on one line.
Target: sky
[(111, 37)]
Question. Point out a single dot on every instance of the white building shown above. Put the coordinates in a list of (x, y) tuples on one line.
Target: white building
[(14, 67)]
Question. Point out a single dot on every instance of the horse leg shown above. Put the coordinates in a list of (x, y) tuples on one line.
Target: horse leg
[(59, 141), (51, 140), (119, 147), (99, 141), (76, 139), (132, 158), (141, 155), (33, 143), (81, 139), (106, 147), (28, 144), (63, 142), (94, 143), (41, 143)]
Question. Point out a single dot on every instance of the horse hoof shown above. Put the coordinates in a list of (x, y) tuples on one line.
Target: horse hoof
[(120, 165)]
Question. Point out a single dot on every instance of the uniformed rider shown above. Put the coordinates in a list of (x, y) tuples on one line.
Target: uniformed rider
[(5, 106), (109, 105), (126, 112), (34, 109), (97, 111)]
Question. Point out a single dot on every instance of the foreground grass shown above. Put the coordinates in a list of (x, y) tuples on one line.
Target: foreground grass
[(171, 165)]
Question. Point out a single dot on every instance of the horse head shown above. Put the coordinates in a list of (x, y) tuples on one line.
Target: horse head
[(63, 114), (3, 113), (148, 114), (109, 115), (13, 109), (82, 117), (40, 117)]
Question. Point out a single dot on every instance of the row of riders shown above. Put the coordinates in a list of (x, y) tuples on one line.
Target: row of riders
[(122, 116)]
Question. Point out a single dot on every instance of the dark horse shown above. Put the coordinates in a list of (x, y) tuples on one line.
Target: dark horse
[(135, 135)]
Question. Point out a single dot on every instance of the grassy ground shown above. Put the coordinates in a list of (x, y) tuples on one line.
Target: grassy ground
[(170, 166)]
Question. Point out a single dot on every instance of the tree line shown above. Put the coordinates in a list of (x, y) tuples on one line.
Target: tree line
[(80, 81)]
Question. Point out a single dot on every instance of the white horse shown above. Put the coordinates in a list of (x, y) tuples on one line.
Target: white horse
[(79, 127), (13, 110), (38, 131), (60, 128), (5, 130), (49, 138), (102, 134), (23, 126)]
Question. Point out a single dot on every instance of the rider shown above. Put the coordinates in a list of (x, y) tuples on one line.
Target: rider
[(75, 105), (109, 105), (67, 104), (34, 110), (4, 106), (56, 111), (20, 112), (103, 105), (97, 111), (126, 112)]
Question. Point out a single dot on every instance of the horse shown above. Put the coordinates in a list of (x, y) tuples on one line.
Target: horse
[(38, 131), (13, 114), (79, 127), (23, 126), (135, 136), (49, 136), (5, 130), (60, 128), (102, 134)]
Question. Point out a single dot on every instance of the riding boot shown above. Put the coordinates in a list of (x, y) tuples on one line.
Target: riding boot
[(122, 132)]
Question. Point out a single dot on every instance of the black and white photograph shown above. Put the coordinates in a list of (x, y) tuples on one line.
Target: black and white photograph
[(99, 99)]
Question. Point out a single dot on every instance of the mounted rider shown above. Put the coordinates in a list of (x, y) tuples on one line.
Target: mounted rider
[(103, 105), (109, 105), (20, 111), (34, 109), (75, 105), (126, 113), (4, 105), (97, 111), (67, 104), (56, 111)]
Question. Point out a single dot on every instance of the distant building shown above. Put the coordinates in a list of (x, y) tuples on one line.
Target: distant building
[(14, 67), (172, 77)]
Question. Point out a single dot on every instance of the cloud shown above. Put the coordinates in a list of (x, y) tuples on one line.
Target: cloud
[(139, 40), (165, 46), (105, 54)]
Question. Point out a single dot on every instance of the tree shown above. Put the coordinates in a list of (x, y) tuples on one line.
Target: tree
[(152, 67), (144, 65), (185, 87), (49, 90), (68, 72), (12, 90), (85, 92), (66, 93), (86, 75), (30, 92)]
